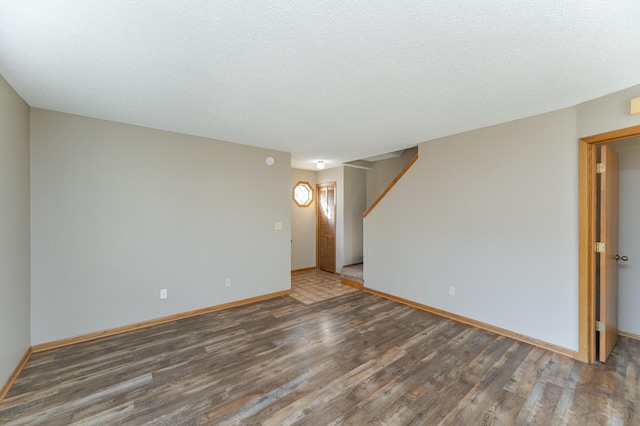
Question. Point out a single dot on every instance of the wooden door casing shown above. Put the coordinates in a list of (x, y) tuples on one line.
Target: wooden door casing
[(326, 227), (587, 236)]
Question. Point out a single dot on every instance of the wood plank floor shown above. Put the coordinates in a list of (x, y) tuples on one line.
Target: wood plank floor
[(354, 359)]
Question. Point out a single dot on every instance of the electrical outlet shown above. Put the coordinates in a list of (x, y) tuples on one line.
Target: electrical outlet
[(227, 282), (278, 226), (452, 290), (163, 293)]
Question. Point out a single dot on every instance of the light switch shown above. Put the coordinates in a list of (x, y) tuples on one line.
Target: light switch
[(635, 106)]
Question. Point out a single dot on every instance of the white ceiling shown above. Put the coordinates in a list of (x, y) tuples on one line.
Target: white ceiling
[(334, 80)]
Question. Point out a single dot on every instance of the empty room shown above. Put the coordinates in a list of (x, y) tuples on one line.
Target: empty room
[(319, 212)]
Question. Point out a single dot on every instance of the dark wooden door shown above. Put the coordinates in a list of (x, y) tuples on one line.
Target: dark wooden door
[(608, 277), (326, 227)]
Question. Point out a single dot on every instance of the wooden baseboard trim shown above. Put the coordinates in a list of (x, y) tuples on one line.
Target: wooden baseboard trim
[(16, 372), (479, 324), (353, 284), (111, 332), (313, 268), (629, 335), (352, 264)]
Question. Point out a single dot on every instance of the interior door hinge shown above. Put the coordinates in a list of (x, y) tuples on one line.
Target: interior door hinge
[(599, 326), (599, 247), (600, 168)]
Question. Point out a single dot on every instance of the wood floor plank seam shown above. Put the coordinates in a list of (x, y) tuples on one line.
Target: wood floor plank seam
[(354, 359), (484, 326), (14, 375), (170, 318)]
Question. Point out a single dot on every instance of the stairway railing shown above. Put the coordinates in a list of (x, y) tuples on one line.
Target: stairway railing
[(393, 182)]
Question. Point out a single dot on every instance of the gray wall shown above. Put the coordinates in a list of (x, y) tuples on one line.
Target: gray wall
[(14, 231), (355, 203), (303, 224), (492, 212), (629, 230), (383, 172), (120, 212), (607, 113)]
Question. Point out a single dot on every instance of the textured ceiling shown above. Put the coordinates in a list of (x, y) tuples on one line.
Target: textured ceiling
[(333, 80)]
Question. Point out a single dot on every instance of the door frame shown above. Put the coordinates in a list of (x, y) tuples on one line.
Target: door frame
[(587, 199), (318, 207)]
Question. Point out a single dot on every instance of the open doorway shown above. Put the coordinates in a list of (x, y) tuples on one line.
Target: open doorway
[(589, 236), (629, 237)]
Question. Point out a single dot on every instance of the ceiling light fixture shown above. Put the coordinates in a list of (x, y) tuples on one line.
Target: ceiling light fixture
[(320, 165)]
